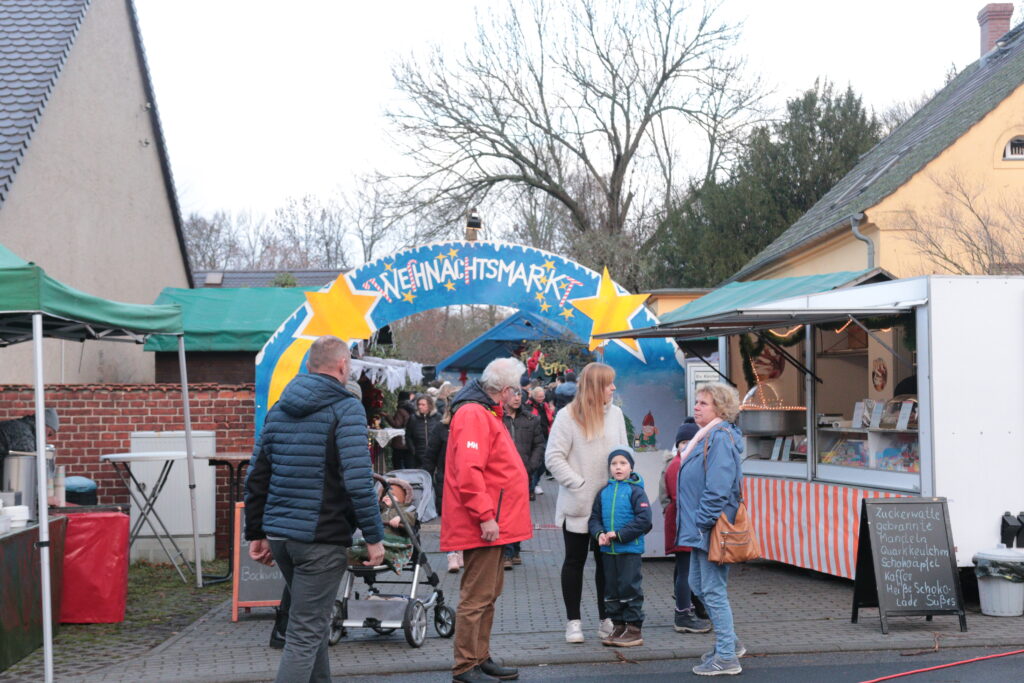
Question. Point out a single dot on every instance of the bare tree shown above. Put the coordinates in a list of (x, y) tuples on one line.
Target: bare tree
[(567, 96), (969, 233), (311, 231), (211, 242), (375, 218)]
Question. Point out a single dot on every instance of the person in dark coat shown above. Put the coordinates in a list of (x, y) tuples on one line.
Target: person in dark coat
[(540, 407), (421, 430), (566, 391), (310, 483), (528, 436), (401, 455), (20, 434)]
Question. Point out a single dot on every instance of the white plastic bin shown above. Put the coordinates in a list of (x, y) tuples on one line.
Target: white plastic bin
[(1001, 597)]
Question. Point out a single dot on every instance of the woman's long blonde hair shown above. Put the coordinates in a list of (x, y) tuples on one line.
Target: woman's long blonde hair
[(588, 406)]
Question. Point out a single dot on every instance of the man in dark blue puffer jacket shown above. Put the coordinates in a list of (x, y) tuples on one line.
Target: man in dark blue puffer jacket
[(309, 485)]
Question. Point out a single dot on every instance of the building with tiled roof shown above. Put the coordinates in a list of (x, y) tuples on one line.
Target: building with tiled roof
[(263, 278), (971, 132), (85, 182)]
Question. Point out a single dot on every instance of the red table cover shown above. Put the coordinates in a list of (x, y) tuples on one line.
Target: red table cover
[(95, 583)]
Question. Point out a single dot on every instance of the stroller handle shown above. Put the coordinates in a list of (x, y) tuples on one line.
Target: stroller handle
[(382, 480)]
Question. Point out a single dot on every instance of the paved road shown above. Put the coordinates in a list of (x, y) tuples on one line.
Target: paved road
[(778, 610), (809, 668)]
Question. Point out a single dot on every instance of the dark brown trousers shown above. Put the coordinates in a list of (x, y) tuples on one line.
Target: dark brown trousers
[(482, 580)]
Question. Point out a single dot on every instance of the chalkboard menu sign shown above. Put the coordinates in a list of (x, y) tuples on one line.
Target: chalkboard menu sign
[(906, 561), (254, 584)]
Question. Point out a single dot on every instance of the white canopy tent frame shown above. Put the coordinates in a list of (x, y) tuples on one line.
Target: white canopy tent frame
[(41, 474)]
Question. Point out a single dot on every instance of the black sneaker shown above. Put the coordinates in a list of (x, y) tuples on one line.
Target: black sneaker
[(687, 622)]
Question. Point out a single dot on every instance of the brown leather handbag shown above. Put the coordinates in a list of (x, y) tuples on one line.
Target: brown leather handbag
[(732, 542)]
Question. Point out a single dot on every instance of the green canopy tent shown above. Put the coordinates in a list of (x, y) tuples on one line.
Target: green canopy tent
[(33, 305)]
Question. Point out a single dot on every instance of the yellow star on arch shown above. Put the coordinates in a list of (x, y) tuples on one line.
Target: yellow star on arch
[(450, 286), (566, 313), (544, 307), (453, 252), (408, 297), (341, 311), (543, 279), (550, 265), (440, 256), (539, 296), (388, 266), (610, 311)]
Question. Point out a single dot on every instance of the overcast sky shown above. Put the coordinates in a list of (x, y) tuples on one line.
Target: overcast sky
[(264, 99)]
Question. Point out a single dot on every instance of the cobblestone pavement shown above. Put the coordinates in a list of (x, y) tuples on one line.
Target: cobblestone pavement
[(778, 609)]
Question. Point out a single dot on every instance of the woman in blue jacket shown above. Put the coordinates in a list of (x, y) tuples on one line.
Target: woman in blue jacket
[(708, 485)]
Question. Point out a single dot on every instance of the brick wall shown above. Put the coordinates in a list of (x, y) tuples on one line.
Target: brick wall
[(96, 419)]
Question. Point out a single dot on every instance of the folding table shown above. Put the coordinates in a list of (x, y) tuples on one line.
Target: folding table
[(146, 500)]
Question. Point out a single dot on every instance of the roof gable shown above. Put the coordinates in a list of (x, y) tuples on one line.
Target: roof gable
[(965, 100), (35, 40)]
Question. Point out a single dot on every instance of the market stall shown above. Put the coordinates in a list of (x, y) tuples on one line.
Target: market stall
[(33, 306), (909, 387)]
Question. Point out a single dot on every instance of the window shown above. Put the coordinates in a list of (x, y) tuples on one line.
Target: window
[(1014, 148)]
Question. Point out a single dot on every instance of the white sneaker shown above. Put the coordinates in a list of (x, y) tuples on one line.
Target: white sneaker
[(573, 631), (604, 631), (538, 490)]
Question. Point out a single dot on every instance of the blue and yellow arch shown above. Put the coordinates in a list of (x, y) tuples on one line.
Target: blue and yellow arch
[(649, 375)]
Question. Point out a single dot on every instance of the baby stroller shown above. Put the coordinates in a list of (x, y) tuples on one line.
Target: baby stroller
[(387, 612)]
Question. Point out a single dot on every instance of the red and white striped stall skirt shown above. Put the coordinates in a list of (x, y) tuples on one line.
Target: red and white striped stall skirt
[(807, 525)]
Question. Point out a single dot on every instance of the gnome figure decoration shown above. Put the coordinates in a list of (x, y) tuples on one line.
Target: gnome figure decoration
[(648, 436)]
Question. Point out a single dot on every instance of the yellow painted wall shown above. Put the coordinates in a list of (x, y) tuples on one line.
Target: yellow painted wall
[(660, 304), (976, 157)]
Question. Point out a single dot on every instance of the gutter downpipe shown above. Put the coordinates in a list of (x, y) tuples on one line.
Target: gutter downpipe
[(855, 220)]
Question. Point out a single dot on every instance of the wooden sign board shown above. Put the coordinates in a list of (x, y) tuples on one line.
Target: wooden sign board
[(253, 584), (906, 561)]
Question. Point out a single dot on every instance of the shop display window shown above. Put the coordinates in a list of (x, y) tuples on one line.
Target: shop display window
[(878, 447)]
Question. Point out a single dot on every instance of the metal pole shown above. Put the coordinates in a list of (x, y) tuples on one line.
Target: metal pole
[(44, 521), (190, 461), (810, 399)]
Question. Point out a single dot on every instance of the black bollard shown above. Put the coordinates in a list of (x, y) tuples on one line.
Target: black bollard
[(1009, 529), (1020, 531)]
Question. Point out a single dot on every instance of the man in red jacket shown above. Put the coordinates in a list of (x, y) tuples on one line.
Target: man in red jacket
[(485, 507)]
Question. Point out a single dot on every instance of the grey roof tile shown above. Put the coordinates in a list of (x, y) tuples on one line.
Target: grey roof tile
[(35, 38), (965, 100), (264, 278)]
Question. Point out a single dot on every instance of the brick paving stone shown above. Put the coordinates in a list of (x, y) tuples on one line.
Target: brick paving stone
[(777, 609)]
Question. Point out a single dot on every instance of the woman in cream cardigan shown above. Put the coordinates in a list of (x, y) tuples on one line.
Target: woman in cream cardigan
[(582, 436)]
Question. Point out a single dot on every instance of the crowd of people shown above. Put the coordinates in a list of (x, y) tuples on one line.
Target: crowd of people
[(487, 445)]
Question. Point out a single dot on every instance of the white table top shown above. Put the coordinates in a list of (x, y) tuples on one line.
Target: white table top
[(155, 456)]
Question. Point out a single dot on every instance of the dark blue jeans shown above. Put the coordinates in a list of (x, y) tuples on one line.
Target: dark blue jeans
[(623, 588), (682, 581)]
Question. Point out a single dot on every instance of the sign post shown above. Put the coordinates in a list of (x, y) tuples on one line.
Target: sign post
[(906, 562)]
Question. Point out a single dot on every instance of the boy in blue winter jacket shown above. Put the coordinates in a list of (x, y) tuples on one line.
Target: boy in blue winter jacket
[(619, 520)]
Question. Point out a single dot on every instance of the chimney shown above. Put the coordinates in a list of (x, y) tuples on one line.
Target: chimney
[(994, 19)]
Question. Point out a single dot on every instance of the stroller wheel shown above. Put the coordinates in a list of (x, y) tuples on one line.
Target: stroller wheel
[(337, 618), (444, 621), (415, 623)]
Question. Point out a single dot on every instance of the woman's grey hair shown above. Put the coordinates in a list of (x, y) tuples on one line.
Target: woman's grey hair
[(725, 399), (501, 373)]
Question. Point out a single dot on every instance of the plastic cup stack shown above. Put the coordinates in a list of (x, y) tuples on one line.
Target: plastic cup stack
[(18, 515)]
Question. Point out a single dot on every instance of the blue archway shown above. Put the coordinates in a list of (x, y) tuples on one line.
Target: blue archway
[(649, 373)]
